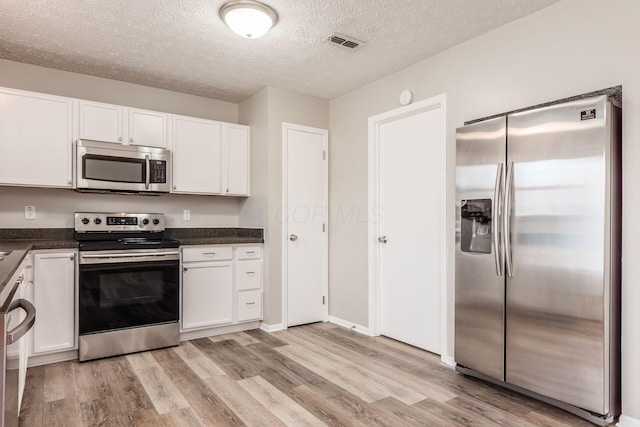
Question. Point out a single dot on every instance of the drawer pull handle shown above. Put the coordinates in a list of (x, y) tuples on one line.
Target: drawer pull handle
[(251, 303), (250, 252), (250, 273), (208, 253)]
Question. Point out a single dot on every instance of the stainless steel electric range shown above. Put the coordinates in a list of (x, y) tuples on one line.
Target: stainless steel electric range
[(128, 284)]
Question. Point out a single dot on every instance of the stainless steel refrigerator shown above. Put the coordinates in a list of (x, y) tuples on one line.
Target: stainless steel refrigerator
[(537, 265)]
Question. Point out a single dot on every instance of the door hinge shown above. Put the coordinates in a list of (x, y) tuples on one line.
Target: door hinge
[(324, 155), (323, 300)]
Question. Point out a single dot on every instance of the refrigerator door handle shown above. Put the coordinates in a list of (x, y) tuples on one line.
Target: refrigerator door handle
[(497, 197), (506, 216)]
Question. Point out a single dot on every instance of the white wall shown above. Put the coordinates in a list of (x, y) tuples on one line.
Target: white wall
[(55, 207), (570, 48), (268, 109)]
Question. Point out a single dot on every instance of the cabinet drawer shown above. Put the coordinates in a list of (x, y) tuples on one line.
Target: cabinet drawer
[(249, 252), (249, 305), (249, 275), (211, 253)]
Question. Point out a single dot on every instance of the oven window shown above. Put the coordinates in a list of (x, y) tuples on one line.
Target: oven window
[(113, 169), (117, 296)]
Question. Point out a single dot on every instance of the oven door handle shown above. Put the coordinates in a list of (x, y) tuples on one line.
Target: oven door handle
[(134, 255), (19, 331)]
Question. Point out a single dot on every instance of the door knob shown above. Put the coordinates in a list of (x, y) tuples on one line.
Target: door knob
[(382, 239), (293, 237)]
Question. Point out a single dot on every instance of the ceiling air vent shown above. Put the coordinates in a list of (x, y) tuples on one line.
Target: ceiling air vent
[(344, 41)]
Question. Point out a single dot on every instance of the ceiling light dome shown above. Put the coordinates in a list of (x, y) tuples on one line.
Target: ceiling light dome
[(248, 18)]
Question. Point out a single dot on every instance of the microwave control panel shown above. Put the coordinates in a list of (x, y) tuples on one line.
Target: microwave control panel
[(158, 173)]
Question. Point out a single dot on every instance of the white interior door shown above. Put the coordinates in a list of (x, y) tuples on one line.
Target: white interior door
[(304, 226), (410, 184)]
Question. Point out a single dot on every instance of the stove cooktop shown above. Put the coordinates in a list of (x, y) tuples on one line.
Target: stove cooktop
[(98, 231)]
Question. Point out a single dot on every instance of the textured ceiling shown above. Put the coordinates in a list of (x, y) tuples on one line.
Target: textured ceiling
[(182, 45)]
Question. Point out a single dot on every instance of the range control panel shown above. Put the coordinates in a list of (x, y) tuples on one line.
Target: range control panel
[(118, 221)]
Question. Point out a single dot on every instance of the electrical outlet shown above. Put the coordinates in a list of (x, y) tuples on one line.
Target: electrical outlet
[(186, 215), (29, 212)]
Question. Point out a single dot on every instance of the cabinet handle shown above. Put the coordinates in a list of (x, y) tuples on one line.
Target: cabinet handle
[(119, 139), (249, 252), (250, 273), (72, 257), (185, 269), (174, 187), (130, 139), (69, 182), (227, 190), (208, 253), (251, 303)]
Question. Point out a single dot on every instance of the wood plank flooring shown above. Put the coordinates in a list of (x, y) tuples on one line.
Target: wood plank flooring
[(311, 375)]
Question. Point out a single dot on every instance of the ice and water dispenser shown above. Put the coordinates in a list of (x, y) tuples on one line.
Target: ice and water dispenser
[(476, 226)]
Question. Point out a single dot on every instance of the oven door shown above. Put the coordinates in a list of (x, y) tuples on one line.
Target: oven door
[(127, 290), (112, 167)]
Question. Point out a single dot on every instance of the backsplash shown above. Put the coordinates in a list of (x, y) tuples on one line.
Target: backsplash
[(55, 207)]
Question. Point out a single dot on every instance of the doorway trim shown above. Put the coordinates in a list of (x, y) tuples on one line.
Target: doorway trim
[(434, 103), (283, 219)]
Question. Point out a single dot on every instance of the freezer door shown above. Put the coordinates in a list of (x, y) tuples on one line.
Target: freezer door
[(559, 160), (479, 312)]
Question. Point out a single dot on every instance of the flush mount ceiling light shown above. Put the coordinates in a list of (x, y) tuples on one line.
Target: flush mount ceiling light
[(248, 18)]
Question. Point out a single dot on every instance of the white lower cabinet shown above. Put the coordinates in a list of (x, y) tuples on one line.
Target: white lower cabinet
[(207, 294), (221, 286), (17, 354), (54, 299)]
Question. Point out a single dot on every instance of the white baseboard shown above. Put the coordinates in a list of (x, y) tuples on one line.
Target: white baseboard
[(272, 328), (45, 359), (212, 332), (448, 360), (627, 421), (349, 325)]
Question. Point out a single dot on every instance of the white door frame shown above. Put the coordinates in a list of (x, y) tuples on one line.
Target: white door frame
[(436, 102), (285, 225)]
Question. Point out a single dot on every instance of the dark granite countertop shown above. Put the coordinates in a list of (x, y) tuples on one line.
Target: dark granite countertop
[(215, 236), (20, 241)]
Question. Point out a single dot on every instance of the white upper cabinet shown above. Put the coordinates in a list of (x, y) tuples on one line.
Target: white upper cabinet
[(101, 122), (148, 128), (197, 155), (36, 137), (210, 157), (122, 125), (236, 165)]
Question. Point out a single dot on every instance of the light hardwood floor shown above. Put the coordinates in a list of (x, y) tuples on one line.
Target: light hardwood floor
[(311, 375)]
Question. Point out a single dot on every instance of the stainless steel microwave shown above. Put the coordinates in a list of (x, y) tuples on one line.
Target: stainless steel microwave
[(107, 167)]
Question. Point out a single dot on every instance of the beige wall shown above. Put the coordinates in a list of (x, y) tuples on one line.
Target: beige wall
[(55, 207), (280, 106), (573, 47)]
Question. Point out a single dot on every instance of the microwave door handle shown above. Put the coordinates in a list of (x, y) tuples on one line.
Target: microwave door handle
[(148, 169)]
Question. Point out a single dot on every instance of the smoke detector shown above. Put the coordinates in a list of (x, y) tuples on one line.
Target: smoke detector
[(344, 41)]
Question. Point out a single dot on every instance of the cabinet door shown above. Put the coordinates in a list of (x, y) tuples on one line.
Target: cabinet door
[(207, 295), (54, 297), (35, 139), (196, 156), (148, 128), (101, 122), (236, 143)]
